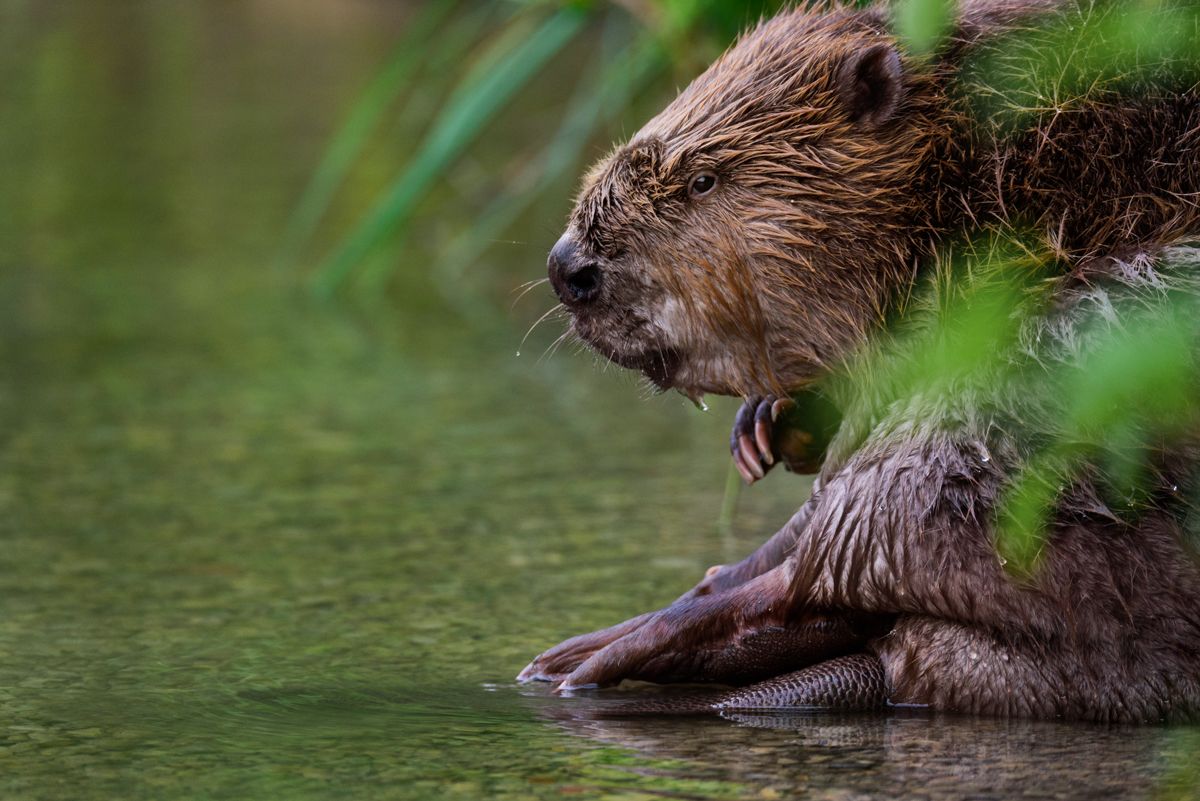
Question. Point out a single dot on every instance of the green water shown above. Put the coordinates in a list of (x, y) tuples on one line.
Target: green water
[(260, 546)]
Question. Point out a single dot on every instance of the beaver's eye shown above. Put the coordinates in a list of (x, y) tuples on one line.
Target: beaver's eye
[(702, 183)]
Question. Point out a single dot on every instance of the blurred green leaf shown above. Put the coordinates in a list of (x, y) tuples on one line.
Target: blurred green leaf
[(1084, 54), (462, 119), (922, 24), (602, 95), (1138, 385), (1023, 514), (365, 115)]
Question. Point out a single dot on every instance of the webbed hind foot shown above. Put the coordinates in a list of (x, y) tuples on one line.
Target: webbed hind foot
[(851, 683)]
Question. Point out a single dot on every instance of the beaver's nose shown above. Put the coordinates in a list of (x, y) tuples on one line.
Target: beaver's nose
[(576, 279)]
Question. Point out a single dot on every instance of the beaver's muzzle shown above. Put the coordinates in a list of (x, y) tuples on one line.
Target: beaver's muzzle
[(575, 277)]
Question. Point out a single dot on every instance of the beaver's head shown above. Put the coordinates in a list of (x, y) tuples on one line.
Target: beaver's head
[(753, 232)]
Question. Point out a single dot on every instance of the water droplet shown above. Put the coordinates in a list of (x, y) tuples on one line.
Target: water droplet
[(518, 353), (973, 655), (697, 399)]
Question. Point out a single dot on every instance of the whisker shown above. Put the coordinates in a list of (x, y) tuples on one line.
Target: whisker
[(525, 289), (548, 353), (536, 323), (574, 339), (534, 282)]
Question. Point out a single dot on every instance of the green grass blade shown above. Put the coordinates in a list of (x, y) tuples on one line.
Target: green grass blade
[(460, 122), (627, 72), (349, 140)]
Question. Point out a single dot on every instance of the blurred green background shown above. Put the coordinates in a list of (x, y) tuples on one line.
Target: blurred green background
[(282, 509)]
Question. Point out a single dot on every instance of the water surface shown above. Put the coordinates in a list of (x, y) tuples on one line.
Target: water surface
[(256, 545)]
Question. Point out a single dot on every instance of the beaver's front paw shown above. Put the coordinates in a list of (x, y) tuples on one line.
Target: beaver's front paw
[(751, 440), (769, 430)]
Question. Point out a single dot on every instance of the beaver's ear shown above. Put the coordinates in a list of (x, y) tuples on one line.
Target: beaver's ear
[(871, 84)]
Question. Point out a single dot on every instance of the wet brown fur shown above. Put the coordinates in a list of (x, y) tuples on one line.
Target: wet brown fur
[(822, 223), (775, 260)]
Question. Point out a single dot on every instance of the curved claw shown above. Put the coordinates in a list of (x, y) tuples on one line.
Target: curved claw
[(750, 457), (751, 441), (559, 661), (763, 418), (737, 448)]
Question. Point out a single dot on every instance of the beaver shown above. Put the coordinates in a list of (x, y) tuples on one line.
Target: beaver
[(775, 222)]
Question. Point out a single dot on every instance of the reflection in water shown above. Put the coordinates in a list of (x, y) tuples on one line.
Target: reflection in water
[(904, 754)]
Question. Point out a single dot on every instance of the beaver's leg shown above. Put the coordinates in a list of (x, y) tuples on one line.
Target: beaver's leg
[(855, 682), (562, 659), (754, 652), (895, 531), (682, 640), (747, 654)]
